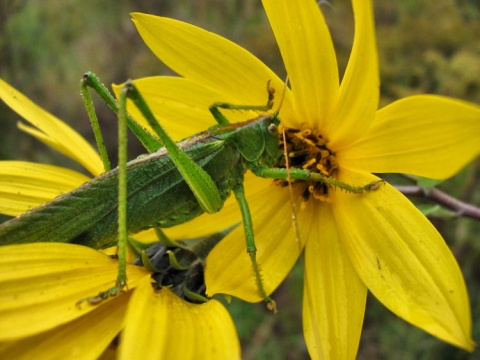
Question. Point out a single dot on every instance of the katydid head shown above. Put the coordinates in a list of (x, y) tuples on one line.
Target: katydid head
[(263, 147), (272, 142), (272, 139)]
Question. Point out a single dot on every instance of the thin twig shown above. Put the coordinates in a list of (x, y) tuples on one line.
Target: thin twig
[(433, 194)]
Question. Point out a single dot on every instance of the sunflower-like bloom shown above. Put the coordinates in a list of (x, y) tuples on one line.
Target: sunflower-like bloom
[(377, 241), (42, 284)]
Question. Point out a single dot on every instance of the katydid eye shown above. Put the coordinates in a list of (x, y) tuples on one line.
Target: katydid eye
[(272, 129)]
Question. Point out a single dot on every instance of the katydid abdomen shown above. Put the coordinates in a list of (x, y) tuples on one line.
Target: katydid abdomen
[(157, 196)]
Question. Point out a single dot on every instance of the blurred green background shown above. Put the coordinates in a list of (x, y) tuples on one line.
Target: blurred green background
[(424, 47)]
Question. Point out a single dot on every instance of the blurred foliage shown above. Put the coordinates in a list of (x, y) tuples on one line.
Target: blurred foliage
[(424, 47)]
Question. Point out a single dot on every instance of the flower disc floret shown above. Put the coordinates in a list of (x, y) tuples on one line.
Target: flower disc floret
[(307, 149)]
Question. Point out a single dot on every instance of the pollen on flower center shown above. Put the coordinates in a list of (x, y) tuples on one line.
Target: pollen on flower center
[(307, 149)]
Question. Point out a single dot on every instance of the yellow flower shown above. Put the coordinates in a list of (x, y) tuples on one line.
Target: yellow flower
[(376, 241), (41, 283), (25, 185)]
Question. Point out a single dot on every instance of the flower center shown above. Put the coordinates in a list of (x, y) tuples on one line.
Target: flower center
[(307, 149), (185, 278)]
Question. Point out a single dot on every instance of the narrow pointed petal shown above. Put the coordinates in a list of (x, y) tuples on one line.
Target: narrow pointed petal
[(160, 325), (334, 296), (207, 224), (229, 269), (25, 185), (208, 59), (41, 284), (360, 88), (51, 130), (404, 261), (309, 57), (84, 338), (430, 136)]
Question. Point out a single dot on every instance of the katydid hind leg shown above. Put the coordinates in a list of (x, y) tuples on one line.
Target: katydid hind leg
[(122, 191), (199, 181), (251, 248), (92, 115), (90, 80), (121, 281)]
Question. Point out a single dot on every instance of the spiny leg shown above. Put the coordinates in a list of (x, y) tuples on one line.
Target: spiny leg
[(290, 190), (150, 143), (90, 80), (122, 206), (199, 181), (92, 115), (307, 175), (222, 120), (251, 248), (122, 191)]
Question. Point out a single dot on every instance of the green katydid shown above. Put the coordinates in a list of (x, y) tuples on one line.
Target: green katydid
[(167, 187)]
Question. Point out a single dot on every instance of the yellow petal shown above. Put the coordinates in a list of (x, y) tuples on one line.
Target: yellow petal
[(309, 57), (207, 224), (229, 269), (160, 325), (51, 130), (145, 236), (207, 58), (425, 135), (41, 283), (359, 91), (334, 296), (404, 261), (25, 185), (84, 338)]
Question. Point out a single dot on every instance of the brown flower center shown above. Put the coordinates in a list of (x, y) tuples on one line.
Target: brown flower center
[(307, 149)]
